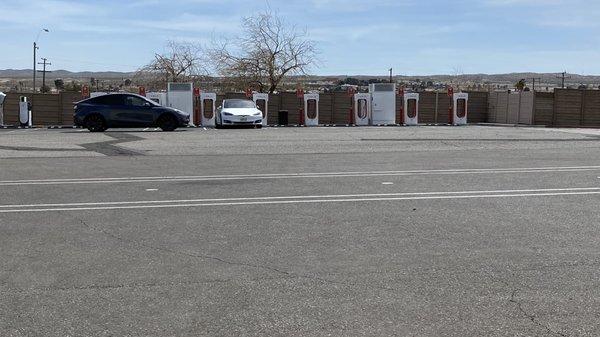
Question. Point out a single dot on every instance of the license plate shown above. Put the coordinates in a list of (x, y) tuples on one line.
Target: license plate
[(243, 119)]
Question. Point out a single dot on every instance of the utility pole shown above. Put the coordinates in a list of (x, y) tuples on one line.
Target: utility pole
[(563, 77), (391, 75), (533, 79), (44, 72), (35, 48)]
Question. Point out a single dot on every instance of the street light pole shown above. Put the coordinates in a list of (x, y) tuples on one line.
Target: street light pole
[(34, 63), (35, 47)]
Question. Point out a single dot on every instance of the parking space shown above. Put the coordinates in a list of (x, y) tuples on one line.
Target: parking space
[(454, 231)]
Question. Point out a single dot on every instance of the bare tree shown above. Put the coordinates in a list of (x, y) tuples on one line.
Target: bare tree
[(183, 62), (267, 51)]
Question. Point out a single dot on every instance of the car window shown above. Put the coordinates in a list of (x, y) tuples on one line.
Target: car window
[(134, 101), (108, 100), (238, 104)]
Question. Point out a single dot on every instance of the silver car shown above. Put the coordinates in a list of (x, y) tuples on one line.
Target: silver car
[(238, 112)]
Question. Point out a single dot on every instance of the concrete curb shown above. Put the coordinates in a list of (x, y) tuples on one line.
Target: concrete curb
[(510, 125)]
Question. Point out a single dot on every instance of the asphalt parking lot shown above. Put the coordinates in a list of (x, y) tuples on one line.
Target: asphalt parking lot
[(425, 231)]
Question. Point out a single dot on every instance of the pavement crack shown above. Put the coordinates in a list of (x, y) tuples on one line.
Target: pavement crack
[(228, 262), (177, 252), (532, 317), (521, 309)]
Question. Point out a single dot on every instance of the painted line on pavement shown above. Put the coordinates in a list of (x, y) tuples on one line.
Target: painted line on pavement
[(112, 180), (326, 196), (295, 200)]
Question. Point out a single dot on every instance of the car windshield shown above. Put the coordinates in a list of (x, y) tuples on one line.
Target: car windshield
[(238, 104), (148, 100)]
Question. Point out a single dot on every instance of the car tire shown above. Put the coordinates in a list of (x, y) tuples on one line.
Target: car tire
[(259, 126), (95, 123), (167, 123)]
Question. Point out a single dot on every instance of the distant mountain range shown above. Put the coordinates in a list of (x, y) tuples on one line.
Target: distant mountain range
[(26, 73), (509, 78)]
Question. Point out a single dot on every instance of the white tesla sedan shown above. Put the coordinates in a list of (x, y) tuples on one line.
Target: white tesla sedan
[(238, 112)]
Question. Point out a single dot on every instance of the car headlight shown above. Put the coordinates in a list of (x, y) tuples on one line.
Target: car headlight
[(227, 114)]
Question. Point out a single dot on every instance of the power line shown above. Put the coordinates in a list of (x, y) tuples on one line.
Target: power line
[(563, 77), (44, 63), (533, 79)]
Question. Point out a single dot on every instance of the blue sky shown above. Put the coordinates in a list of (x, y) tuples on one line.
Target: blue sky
[(353, 37)]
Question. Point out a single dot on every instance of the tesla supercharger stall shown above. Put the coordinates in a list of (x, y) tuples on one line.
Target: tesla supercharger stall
[(181, 97), (410, 113), (383, 110), (207, 108), (101, 93), (2, 97), (24, 112), (262, 103), (362, 109), (158, 97), (460, 108), (311, 109)]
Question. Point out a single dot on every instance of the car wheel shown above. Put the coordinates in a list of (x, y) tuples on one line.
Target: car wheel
[(167, 123), (259, 126), (95, 123)]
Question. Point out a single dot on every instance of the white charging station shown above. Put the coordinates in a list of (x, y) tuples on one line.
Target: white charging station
[(24, 112), (311, 109), (383, 103), (181, 96), (460, 108), (100, 93), (362, 109), (2, 97), (410, 113), (158, 97), (262, 103), (208, 109)]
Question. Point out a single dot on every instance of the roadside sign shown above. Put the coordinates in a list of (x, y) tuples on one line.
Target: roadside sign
[(450, 91), (196, 92)]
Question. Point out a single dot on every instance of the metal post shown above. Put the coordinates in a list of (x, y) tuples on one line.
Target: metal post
[(519, 112), (34, 52), (45, 63), (34, 68), (435, 117)]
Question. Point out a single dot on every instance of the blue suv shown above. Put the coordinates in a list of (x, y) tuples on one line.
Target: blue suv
[(124, 111)]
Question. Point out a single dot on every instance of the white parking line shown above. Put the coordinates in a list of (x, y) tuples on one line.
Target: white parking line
[(297, 202), (111, 205), (109, 180)]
